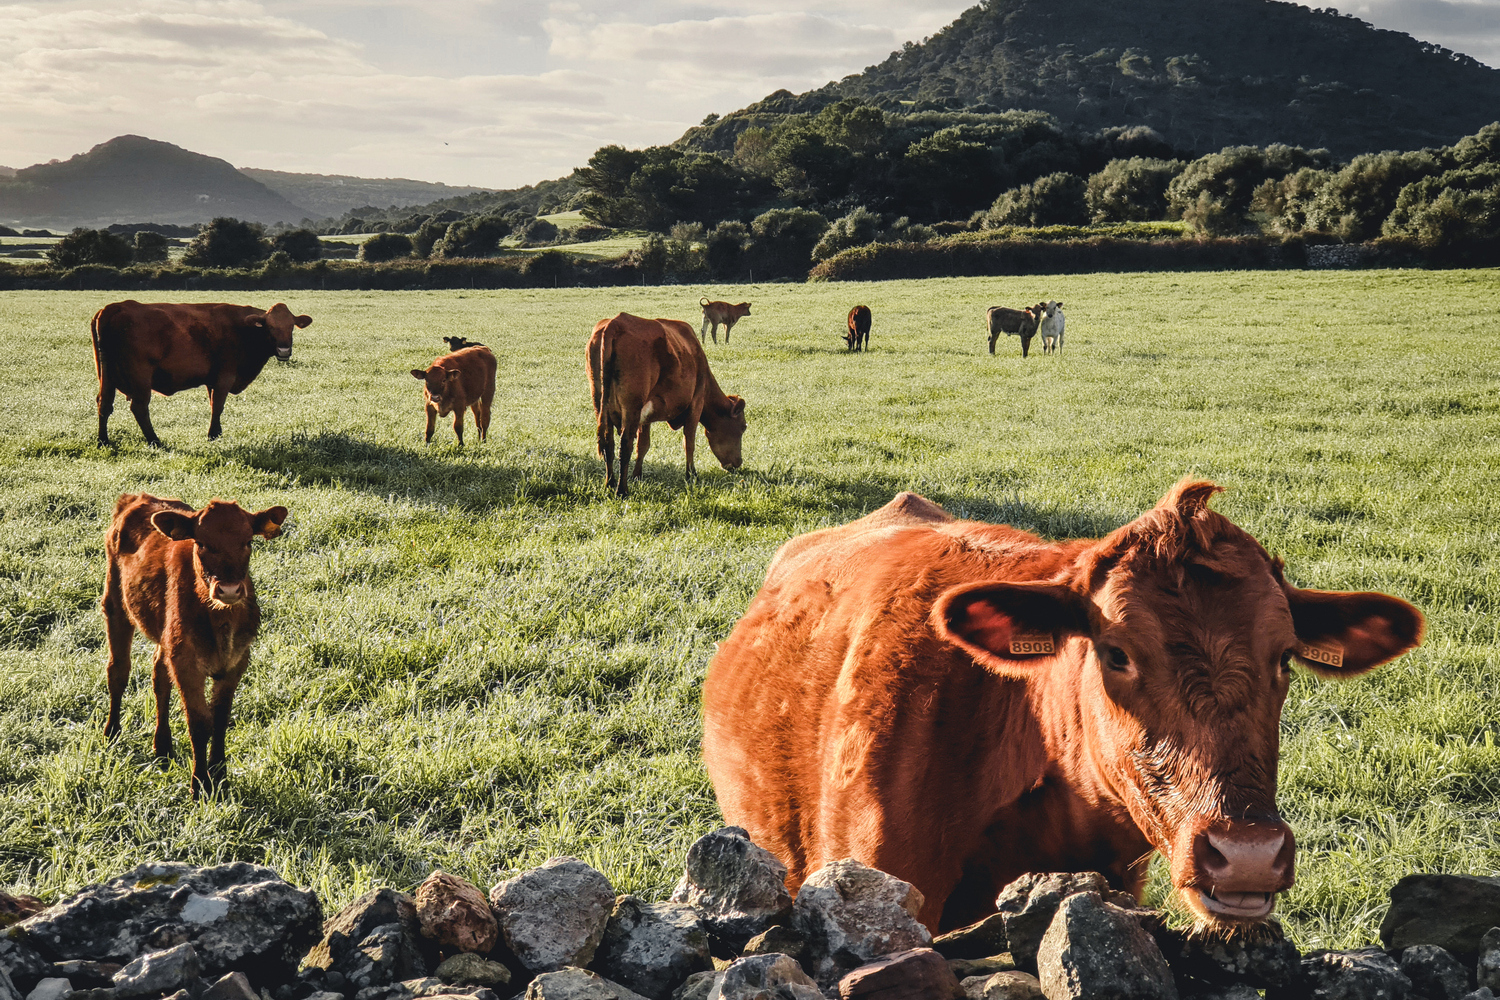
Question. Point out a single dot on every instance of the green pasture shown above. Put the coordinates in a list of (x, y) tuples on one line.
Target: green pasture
[(478, 658)]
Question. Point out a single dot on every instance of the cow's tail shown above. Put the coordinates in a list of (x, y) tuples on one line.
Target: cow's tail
[(703, 302), (603, 370), (98, 348)]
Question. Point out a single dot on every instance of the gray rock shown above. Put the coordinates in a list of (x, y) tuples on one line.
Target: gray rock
[(1010, 985), (738, 886), (978, 940), (236, 916), (1487, 967), (1451, 911), (698, 986), (86, 975), (1261, 957), (652, 947), (1028, 905), (1434, 974), (918, 974), (777, 938), (469, 969), (779, 975), (1234, 991), (326, 995), (162, 971), (850, 914), (1096, 949), (97, 993), (26, 967), (576, 984), (553, 916), (234, 986), (1483, 993), (8, 989), (50, 989), (1363, 974), (374, 941)]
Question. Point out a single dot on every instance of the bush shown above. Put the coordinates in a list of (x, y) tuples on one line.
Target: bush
[(1457, 206), (1055, 200), (385, 246), (227, 242), (150, 248), (301, 245), (536, 232), (90, 246), (859, 227), (552, 266), (1357, 199), (427, 236), (474, 236), (1133, 190), (1282, 206), (724, 247)]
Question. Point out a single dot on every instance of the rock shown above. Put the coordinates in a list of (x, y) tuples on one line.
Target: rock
[(86, 975), (555, 915), (326, 995), (980, 940), (850, 914), (1434, 974), (576, 984), (374, 941), (1235, 991), (236, 916), (1487, 968), (15, 907), (26, 967), (698, 986), (967, 968), (738, 887), (1028, 905), (234, 986), (97, 993), (1097, 949), (1483, 993), (1451, 911), (1263, 957), (50, 989), (776, 939), (779, 975), (1004, 986), (918, 974), (652, 947), (454, 913), (159, 972), (8, 989), (468, 969), (1365, 974)]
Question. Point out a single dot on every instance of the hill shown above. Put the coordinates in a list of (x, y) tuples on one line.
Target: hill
[(133, 179), (1203, 73), (331, 195)]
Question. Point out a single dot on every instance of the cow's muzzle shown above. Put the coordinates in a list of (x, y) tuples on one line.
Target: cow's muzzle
[(1231, 870), (283, 353)]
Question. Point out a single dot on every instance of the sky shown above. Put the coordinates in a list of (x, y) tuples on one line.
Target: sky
[(493, 93)]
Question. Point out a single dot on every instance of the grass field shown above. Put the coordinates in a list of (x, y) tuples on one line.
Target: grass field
[(478, 658)]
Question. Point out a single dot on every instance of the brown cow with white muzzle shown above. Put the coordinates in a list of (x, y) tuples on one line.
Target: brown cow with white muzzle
[(960, 703)]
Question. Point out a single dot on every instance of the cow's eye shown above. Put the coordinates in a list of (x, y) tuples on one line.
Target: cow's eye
[(1286, 662), (1116, 657)]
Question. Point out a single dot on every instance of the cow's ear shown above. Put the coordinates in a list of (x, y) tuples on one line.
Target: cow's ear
[(1344, 635), (1059, 305), (174, 524), (303, 322), (736, 407), (1008, 626), (418, 373), (259, 319), (268, 522)]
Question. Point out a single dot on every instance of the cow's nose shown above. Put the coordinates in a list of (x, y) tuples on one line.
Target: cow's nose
[(230, 592), (283, 352), (1245, 857)]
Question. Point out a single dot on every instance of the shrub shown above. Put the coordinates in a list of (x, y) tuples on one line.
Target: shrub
[(1282, 206), (1357, 199), (537, 231), (474, 236), (150, 248), (549, 266), (301, 245), (1457, 206), (1133, 190), (724, 246), (90, 246), (385, 246), (1217, 188), (227, 242), (1054, 200), (427, 236), (859, 227)]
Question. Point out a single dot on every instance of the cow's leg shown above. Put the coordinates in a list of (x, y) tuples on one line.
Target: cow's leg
[(1025, 345), (482, 419), (106, 406), (628, 431), (607, 448), (140, 406), (431, 423), (118, 634), (642, 445), (200, 722), (703, 332), (994, 336), (689, 441), (217, 396), (458, 424), (728, 325), (221, 699), (161, 684), (716, 331)]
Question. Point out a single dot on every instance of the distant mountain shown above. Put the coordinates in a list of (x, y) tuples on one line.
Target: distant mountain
[(1203, 73), (331, 195), (134, 179)]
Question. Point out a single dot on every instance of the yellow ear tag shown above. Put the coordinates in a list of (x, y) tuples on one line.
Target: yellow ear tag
[(1331, 655), (1031, 644)]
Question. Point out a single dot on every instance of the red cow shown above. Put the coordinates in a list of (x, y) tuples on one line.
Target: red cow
[(858, 336), (960, 703), (1015, 322), (182, 577), (644, 370), (715, 313), (166, 347), (456, 382)]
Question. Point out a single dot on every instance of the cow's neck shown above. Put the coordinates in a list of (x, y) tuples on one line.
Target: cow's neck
[(716, 405)]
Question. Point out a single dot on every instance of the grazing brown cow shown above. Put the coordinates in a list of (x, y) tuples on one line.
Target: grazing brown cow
[(715, 313), (645, 370), (960, 703), (455, 382), (182, 577), (1016, 322), (166, 347), (858, 336), (459, 343)]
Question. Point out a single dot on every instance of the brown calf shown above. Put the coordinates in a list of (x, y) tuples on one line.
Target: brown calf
[(455, 382), (715, 313), (645, 370), (182, 577), (1016, 322), (858, 336)]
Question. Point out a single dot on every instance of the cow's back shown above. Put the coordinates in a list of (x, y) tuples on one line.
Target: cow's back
[(166, 346), (632, 360)]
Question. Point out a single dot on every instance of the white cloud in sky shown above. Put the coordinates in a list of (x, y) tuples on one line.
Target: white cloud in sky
[(489, 92)]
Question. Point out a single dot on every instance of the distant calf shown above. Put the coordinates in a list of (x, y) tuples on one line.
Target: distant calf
[(459, 343), (1014, 322), (1051, 328), (645, 370), (858, 336), (182, 576), (167, 347), (455, 382), (715, 313)]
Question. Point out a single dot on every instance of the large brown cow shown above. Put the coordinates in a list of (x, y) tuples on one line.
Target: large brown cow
[(464, 379), (715, 313), (645, 370), (960, 703), (858, 337), (167, 347), (182, 576)]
